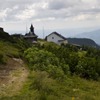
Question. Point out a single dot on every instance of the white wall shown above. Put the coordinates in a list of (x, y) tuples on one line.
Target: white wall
[(54, 38)]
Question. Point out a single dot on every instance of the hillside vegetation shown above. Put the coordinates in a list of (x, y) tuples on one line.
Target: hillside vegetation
[(55, 72), (7, 50)]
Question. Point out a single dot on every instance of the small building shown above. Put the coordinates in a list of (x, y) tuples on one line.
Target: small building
[(31, 36), (1, 29), (56, 38), (17, 35)]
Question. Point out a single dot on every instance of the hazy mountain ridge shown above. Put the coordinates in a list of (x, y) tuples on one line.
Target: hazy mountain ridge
[(83, 41), (95, 35)]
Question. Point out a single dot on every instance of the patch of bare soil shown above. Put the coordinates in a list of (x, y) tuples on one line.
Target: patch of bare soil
[(12, 77)]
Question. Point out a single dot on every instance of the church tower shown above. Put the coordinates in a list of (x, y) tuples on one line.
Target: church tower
[(32, 30), (31, 36)]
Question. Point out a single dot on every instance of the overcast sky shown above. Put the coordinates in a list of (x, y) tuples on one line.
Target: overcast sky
[(15, 15)]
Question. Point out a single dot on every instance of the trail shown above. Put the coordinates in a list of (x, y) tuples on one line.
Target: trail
[(13, 75)]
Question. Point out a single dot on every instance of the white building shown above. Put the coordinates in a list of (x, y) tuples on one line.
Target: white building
[(56, 38)]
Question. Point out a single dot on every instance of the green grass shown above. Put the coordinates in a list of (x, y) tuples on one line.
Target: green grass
[(41, 87), (7, 50)]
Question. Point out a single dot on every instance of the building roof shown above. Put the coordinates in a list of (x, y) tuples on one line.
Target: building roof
[(30, 36), (58, 35)]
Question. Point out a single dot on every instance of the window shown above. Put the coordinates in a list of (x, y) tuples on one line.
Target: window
[(52, 37)]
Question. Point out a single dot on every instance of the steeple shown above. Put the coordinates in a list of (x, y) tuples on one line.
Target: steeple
[(32, 29), (31, 36)]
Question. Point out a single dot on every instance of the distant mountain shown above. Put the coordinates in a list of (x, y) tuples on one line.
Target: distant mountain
[(95, 35), (83, 41)]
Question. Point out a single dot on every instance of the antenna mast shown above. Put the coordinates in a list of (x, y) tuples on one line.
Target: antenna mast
[(26, 28), (43, 33)]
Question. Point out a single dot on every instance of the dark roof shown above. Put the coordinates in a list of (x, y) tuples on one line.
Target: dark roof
[(58, 35), (30, 35)]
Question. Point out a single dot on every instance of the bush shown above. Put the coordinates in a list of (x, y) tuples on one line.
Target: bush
[(40, 58), (64, 60), (55, 72), (45, 61), (87, 68)]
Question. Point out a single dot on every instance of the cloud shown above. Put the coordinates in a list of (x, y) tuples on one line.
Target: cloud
[(32, 11), (4, 14), (14, 10), (26, 14), (62, 4), (56, 5)]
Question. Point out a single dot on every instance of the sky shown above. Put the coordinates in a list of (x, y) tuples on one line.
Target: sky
[(68, 17)]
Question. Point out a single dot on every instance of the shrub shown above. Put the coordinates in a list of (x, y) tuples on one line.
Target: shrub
[(45, 61), (87, 68)]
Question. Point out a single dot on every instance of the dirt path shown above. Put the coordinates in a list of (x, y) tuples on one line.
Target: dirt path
[(12, 77)]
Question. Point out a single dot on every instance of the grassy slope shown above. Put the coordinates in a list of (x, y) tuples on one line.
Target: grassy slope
[(13, 72), (7, 49), (41, 87), (45, 88), (51, 89)]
